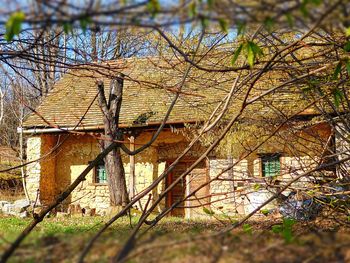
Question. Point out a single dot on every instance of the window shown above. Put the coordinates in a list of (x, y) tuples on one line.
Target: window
[(271, 165), (100, 174)]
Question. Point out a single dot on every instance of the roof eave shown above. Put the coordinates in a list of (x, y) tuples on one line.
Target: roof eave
[(39, 130)]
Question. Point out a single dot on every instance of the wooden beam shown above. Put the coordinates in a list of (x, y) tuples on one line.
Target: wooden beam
[(132, 179)]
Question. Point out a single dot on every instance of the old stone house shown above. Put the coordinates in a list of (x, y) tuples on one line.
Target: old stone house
[(63, 138)]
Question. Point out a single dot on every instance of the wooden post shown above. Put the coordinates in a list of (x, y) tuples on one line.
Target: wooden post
[(132, 169)]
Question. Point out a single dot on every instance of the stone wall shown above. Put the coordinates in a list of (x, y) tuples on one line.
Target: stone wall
[(55, 170), (72, 159), (33, 169), (242, 189), (260, 191), (226, 190), (295, 166), (230, 193)]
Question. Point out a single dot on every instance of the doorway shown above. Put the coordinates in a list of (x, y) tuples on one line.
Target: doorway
[(197, 177)]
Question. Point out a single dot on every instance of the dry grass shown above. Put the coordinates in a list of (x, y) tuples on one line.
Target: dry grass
[(176, 240), (10, 182)]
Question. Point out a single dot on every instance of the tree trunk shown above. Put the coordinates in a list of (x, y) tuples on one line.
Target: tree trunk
[(113, 161), (116, 178)]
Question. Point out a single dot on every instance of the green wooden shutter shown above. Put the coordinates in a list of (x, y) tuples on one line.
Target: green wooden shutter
[(101, 176), (271, 165)]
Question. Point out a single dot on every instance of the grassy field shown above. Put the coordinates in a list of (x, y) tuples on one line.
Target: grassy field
[(178, 240)]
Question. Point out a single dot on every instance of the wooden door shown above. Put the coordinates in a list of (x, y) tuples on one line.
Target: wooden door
[(177, 193)]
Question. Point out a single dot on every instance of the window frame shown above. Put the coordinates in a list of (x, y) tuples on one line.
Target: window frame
[(266, 157), (95, 174)]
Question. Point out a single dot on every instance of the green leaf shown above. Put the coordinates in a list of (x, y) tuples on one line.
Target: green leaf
[(250, 55), (247, 229), (347, 31), (265, 211), (303, 8), (316, 2), (241, 27), (153, 7), (287, 235), (67, 27), (208, 211), (223, 25), (288, 229), (84, 22), (337, 71), (288, 222), (347, 46), (277, 229), (347, 64), (305, 5), (256, 49), (253, 51), (136, 20), (290, 19), (268, 23), (337, 96), (256, 187), (236, 54), (204, 21), (210, 3), (192, 11), (13, 25)]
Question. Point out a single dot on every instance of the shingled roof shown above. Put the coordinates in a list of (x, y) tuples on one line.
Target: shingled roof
[(149, 87)]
